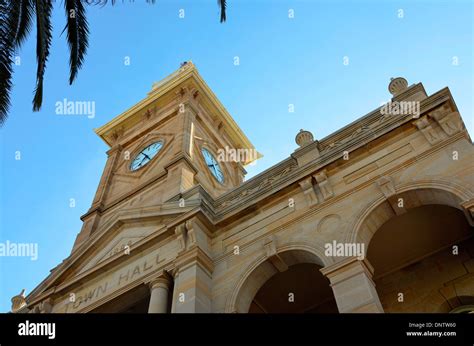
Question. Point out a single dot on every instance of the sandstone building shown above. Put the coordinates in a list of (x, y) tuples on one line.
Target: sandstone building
[(376, 217)]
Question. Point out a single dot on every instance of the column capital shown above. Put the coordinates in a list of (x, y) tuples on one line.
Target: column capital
[(347, 268), (352, 284), (163, 280)]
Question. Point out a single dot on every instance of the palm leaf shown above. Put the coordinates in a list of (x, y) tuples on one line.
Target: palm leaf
[(6, 52), (77, 35), (223, 5), (24, 23), (15, 24), (104, 2), (15, 21), (43, 42)]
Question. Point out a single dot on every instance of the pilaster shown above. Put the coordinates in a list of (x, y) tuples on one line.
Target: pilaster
[(353, 287)]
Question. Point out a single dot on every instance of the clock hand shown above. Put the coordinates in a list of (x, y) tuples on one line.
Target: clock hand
[(141, 161)]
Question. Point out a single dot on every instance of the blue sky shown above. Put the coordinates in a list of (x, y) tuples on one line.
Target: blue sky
[(283, 61)]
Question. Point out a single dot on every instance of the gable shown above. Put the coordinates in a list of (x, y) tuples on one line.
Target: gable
[(120, 243)]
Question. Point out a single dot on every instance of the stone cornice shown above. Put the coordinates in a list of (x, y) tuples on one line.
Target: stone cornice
[(349, 138), (410, 91), (287, 172)]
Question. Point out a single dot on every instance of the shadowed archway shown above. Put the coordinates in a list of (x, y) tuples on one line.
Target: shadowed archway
[(421, 253), (288, 282)]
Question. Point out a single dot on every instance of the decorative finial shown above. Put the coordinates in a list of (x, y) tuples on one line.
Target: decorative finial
[(19, 301), (397, 85), (304, 138)]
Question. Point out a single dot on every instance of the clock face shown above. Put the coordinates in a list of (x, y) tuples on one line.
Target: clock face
[(213, 166), (145, 156)]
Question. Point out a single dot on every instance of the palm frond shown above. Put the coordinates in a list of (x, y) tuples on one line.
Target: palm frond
[(26, 11), (15, 21), (223, 6), (77, 35), (43, 42), (104, 2), (6, 51)]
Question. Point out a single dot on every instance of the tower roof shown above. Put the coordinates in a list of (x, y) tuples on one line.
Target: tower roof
[(161, 90)]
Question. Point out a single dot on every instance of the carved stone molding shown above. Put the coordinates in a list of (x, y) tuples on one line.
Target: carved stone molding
[(180, 232), (450, 123), (324, 184), (117, 134), (252, 187), (272, 255), (35, 310), (270, 246), (427, 130), (387, 187), (308, 190), (182, 92), (46, 306), (187, 234), (191, 232), (149, 113)]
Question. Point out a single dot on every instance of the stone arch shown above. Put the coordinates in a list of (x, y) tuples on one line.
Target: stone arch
[(463, 309), (456, 304), (384, 229), (261, 270), (445, 301), (415, 195)]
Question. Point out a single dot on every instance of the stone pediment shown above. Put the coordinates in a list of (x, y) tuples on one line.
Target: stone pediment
[(125, 228), (121, 243)]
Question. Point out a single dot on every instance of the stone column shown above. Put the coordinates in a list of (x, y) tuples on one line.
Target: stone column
[(159, 289), (353, 287)]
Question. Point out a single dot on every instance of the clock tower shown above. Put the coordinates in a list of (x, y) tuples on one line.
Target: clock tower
[(178, 138)]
